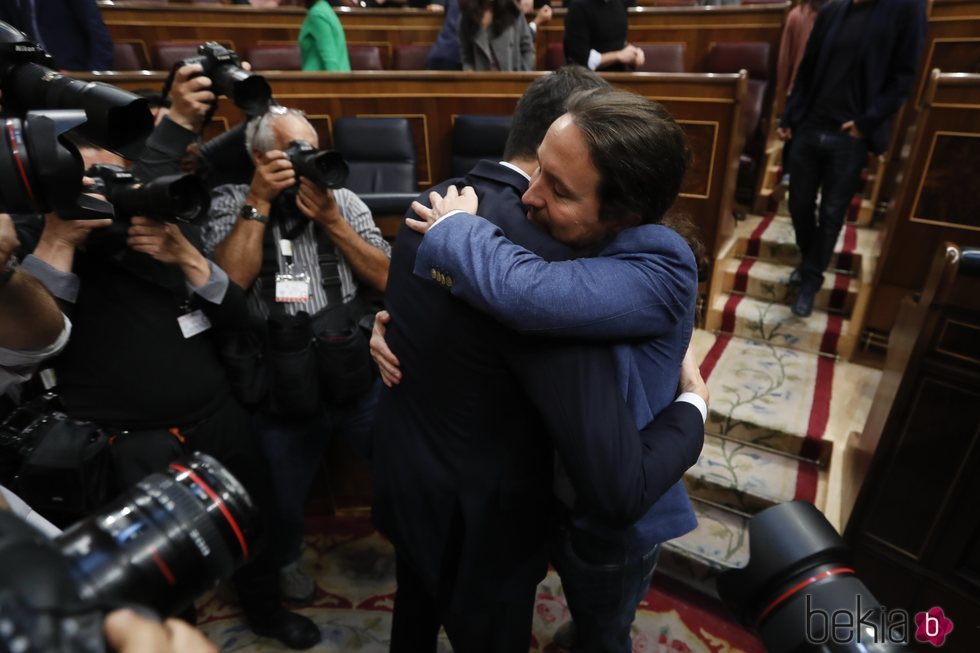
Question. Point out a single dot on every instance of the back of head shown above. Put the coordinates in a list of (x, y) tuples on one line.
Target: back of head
[(639, 150), (542, 103)]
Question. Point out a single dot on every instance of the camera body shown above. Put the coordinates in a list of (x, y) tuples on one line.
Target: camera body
[(325, 168), (161, 545), (250, 92), (171, 198)]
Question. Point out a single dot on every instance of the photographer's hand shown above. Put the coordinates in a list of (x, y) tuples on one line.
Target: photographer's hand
[(273, 174), (317, 203), (191, 97), (60, 238), (128, 632), (165, 242), (465, 201)]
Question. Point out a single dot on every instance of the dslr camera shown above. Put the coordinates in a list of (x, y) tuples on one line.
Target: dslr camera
[(168, 540), (325, 168), (171, 198), (39, 169), (250, 92)]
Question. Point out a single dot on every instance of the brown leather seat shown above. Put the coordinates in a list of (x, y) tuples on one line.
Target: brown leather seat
[(662, 58), (410, 57), (128, 56), (278, 56), (167, 53), (364, 57), (554, 57)]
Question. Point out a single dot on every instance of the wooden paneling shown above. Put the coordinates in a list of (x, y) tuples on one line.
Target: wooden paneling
[(935, 199)]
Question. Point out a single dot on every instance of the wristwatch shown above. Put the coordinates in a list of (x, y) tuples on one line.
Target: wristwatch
[(249, 212), (7, 272)]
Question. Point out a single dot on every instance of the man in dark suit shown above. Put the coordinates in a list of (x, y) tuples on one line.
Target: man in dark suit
[(74, 33), (857, 69), (462, 468)]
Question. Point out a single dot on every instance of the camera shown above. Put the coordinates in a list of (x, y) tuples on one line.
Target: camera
[(164, 543), (800, 594), (171, 198), (250, 92), (325, 168)]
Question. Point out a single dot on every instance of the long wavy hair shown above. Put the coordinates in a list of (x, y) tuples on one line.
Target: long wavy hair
[(505, 12)]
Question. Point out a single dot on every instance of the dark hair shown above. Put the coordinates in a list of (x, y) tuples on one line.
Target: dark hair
[(505, 12), (543, 102), (640, 152)]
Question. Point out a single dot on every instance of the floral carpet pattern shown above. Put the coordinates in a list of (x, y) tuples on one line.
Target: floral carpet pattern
[(354, 568)]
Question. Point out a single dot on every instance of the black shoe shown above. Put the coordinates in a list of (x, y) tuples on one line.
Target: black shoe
[(292, 629), (803, 305), (795, 277)]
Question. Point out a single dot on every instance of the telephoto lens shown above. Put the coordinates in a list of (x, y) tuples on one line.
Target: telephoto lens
[(167, 541), (325, 168), (171, 198)]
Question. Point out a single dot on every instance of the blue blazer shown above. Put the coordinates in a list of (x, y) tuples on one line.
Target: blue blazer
[(74, 34), (642, 287), (464, 446), (889, 60)]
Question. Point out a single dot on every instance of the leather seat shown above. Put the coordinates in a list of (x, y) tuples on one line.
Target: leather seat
[(364, 57), (410, 57), (167, 53), (662, 58), (278, 56), (380, 153), (476, 138), (128, 56), (554, 57)]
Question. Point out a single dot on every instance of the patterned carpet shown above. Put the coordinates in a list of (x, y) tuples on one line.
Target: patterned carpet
[(354, 568)]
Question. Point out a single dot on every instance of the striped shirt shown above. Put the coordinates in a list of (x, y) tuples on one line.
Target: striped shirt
[(227, 201)]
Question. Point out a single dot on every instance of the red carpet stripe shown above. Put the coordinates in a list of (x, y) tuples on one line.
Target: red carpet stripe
[(714, 354), (853, 208), (828, 344), (845, 257), (728, 315), (755, 240), (838, 296), (742, 276), (806, 477)]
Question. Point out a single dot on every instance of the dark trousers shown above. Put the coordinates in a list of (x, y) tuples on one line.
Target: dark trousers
[(293, 450), (603, 581), (474, 623), (828, 163), (227, 436)]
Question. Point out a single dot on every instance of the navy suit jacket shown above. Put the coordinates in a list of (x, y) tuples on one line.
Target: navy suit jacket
[(888, 62), (74, 34), (462, 453)]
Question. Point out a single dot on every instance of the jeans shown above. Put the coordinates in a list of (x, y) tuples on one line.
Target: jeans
[(603, 582), (294, 449), (828, 162)]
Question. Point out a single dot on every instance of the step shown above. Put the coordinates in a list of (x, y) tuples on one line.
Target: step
[(772, 322), (750, 478), (719, 543), (772, 238), (770, 281)]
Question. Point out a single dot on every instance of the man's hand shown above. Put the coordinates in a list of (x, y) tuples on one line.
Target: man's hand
[(165, 242), (851, 129), (128, 632), (273, 174), (544, 15), (691, 380), (69, 233), (191, 97), (8, 240), (436, 9), (631, 56), (453, 201), (317, 203), (387, 362), (784, 133)]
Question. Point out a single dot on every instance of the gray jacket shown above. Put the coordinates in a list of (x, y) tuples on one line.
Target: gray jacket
[(513, 48)]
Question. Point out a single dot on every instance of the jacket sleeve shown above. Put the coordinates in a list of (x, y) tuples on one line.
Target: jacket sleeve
[(100, 51), (465, 46), (617, 472), (902, 67), (527, 44), (163, 151), (642, 286), (577, 43)]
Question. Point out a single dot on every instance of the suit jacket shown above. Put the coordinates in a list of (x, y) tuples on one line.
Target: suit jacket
[(462, 474), (642, 287), (886, 67), (513, 48), (74, 34)]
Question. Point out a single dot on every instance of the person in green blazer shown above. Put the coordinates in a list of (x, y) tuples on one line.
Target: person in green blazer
[(321, 39)]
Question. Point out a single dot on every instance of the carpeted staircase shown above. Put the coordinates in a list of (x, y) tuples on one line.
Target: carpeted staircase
[(783, 396)]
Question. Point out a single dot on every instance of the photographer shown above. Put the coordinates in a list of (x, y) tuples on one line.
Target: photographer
[(32, 327), (300, 250), (142, 364)]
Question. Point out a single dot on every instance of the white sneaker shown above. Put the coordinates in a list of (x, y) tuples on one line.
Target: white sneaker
[(296, 585)]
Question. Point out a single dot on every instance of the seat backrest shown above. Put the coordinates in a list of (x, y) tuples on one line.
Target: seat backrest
[(752, 109), (364, 57), (475, 138), (128, 56), (662, 58), (279, 56), (554, 57), (753, 56), (167, 53), (380, 153), (410, 57)]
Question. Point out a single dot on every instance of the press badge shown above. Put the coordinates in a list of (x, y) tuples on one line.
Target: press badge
[(193, 323), (291, 286)]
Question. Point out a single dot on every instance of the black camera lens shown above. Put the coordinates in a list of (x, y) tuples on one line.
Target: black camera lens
[(250, 92), (325, 168), (171, 198), (167, 541)]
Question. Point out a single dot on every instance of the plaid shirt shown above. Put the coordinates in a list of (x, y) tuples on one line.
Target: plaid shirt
[(227, 201)]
